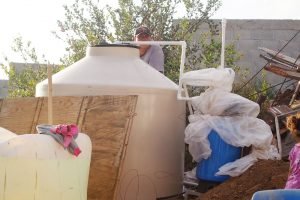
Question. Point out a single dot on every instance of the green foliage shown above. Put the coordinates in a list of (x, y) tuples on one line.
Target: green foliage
[(208, 53), (24, 77), (80, 27), (22, 83), (84, 24), (88, 22), (255, 90)]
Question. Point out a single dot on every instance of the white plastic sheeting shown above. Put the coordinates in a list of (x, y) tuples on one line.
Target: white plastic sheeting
[(212, 77), (234, 118)]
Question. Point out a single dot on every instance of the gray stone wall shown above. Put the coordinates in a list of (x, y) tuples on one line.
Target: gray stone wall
[(3, 88), (248, 35)]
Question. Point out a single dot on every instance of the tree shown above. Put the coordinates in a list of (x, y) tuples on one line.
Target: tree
[(87, 22), (22, 81)]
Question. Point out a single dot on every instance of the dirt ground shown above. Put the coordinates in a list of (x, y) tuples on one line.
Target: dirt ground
[(263, 175)]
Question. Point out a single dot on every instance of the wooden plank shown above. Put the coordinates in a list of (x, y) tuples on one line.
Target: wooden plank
[(18, 115), (37, 114), (1, 103), (131, 115), (281, 57), (107, 121), (281, 71), (82, 111), (65, 110), (271, 60)]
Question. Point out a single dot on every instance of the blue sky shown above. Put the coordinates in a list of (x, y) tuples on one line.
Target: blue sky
[(35, 19)]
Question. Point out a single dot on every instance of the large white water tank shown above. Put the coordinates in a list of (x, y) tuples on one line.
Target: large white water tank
[(153, 163)]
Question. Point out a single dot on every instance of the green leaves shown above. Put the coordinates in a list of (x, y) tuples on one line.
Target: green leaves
[(23, 77), (88, 22)]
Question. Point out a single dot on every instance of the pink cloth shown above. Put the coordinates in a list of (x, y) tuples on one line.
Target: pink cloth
[(293, 181), (67, 131), (64, 134)]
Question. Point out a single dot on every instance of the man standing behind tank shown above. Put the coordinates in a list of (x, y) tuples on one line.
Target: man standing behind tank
[(151, 54)]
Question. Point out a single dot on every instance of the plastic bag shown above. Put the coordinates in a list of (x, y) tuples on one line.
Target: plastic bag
[(217, 102), (241, 165), (212, 77), (234, 119)]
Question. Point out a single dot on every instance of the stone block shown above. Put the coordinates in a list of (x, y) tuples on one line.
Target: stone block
[(248, 44), (284, 35), (261, 35)]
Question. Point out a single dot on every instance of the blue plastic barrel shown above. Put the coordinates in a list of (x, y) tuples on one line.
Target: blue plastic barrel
[(279, 194), (222, 153)]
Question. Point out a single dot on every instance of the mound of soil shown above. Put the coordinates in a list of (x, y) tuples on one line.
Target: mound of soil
[(263, 175)]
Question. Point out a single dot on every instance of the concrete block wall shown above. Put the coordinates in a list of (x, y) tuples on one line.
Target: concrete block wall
[(3, 88), (248, 35)]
